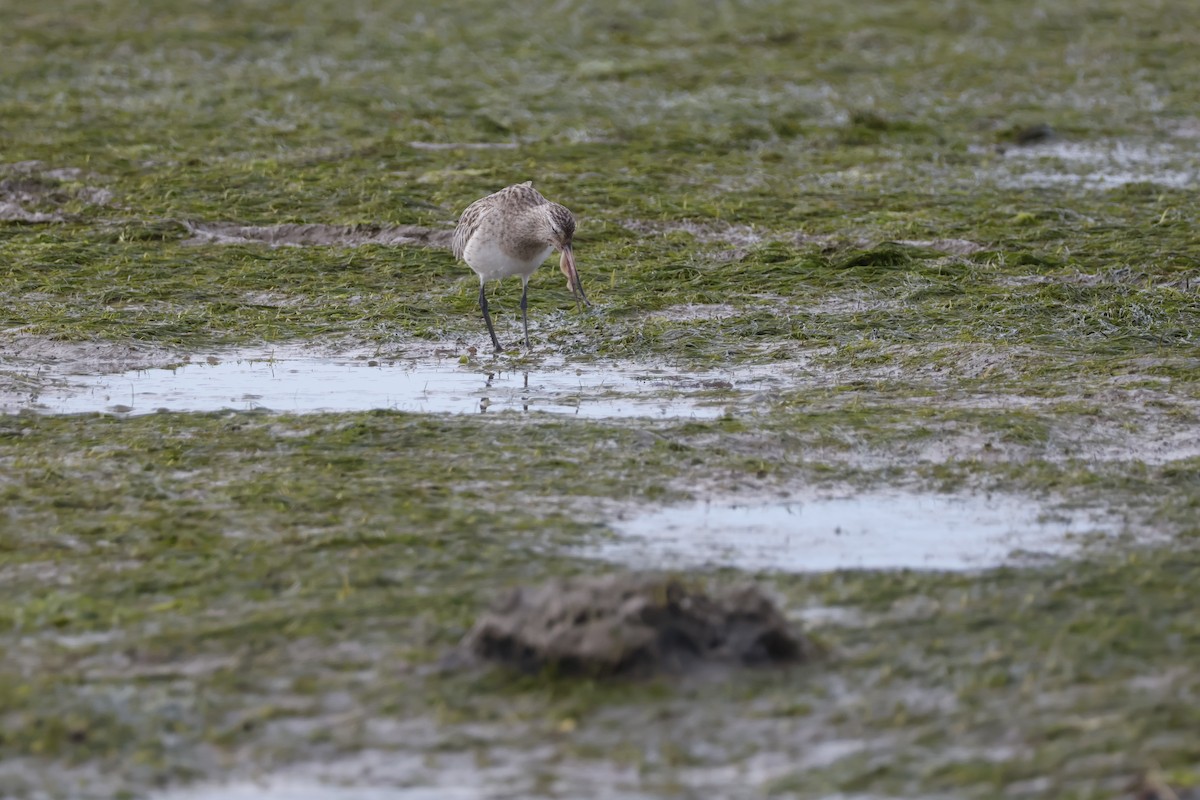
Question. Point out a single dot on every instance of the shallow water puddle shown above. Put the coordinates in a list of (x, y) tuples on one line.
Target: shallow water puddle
[(306, 383), (876, 530)]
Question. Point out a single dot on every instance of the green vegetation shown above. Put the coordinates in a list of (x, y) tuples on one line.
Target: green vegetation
[(180, 583), (185, 597)]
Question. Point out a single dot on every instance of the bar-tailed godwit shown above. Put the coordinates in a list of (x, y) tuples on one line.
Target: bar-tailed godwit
[(511, 232)]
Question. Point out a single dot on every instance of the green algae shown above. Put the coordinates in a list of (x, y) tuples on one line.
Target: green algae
[(153, 561), (277, 117)]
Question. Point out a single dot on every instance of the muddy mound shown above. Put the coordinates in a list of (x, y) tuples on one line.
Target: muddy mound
[(618, 624), (315, 235)]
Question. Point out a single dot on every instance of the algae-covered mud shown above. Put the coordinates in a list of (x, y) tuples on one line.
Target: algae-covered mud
[(895, 317)]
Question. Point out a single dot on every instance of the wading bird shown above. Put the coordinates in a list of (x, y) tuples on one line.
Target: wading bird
[(512, 232)]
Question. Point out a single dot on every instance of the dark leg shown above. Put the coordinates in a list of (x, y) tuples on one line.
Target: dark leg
[(488, 318), (525, 309)]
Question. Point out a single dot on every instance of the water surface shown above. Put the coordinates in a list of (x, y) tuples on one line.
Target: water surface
[(871, 530), (303, 383)]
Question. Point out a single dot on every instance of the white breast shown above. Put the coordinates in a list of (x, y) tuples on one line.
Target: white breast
[(491, 263)]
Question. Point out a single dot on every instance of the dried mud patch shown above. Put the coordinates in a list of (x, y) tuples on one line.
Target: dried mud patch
[(633, 624), (317, 235)]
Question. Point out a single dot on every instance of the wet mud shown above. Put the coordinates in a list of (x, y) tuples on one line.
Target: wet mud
[(33, 355)]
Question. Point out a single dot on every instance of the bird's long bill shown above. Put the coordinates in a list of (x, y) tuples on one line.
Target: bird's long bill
[(567, 264)]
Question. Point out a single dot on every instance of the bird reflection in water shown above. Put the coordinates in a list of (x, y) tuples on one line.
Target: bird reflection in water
[(485, 402)]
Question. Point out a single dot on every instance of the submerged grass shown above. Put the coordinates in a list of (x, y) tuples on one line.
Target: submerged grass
[(871, 190)]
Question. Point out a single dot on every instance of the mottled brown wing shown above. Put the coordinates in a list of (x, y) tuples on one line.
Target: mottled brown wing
[(511, 198), (469, 222)]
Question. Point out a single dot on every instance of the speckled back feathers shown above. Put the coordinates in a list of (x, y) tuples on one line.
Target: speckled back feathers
[(510, 202)]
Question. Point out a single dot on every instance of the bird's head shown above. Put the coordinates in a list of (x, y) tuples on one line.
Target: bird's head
[(560, 224)]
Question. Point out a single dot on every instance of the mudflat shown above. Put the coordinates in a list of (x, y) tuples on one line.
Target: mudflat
[(864, 275)]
